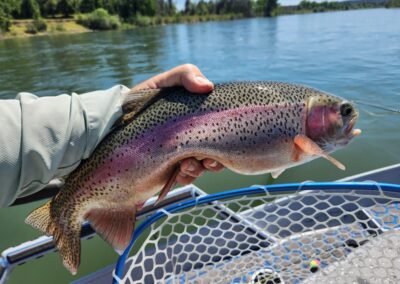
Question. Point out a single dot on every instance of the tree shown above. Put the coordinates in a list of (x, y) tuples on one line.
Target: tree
[(171, 8), (201, 8), (48, 7), (161, 8), (270, 6), (88, 6), (30, 9), (64, 7), (188, 6)]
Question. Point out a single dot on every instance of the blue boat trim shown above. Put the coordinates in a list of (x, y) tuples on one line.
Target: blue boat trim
[(278, 188)]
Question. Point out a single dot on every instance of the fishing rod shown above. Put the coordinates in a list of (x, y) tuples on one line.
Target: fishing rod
[(379, 106)]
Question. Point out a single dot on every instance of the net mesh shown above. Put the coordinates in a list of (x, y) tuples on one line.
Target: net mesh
[(293, 237)]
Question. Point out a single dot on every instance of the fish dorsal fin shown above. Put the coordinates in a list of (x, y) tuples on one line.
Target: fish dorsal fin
[(310, 147), (135, 101), (40, 218), (277, 173), (115, 226)]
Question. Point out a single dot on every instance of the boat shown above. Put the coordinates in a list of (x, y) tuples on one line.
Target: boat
[(360, 238)]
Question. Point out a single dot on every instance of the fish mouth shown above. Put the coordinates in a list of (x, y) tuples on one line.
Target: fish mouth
[(349, 131), (345, 138)]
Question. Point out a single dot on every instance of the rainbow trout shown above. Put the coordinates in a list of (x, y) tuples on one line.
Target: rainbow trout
[(249, 127)]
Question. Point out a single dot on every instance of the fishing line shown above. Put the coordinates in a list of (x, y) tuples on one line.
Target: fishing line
[(379, 106)]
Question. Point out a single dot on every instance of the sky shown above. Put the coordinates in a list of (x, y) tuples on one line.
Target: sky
[(181, 3)]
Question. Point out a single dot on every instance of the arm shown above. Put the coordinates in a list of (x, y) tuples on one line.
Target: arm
[(47, 137)]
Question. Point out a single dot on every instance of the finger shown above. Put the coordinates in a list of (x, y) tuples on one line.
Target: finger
[(187, 75), (184, 179), (191, 167), (212, 165), (196, 83)]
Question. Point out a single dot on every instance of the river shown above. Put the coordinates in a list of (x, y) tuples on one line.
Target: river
[(354, 54)]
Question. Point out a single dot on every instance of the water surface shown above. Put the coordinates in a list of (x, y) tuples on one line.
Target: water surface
[(354, 54)]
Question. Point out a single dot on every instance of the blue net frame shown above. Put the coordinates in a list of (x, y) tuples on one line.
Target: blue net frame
[(279, 188)]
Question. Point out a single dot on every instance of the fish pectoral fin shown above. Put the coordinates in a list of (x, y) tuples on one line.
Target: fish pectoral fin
[(310, 147), (168, 186), (66, 237), (115, 226), (276, 174), (135, 101)]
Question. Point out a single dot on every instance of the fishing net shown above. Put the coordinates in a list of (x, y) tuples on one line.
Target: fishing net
[(298, 233)]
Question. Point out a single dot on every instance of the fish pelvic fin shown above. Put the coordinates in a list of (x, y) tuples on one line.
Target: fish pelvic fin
[(65, 236), (115, 226), (168, 186), (277, 173), (134, 102)]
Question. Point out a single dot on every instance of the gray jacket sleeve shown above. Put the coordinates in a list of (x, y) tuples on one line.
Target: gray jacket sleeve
[(47, 137)]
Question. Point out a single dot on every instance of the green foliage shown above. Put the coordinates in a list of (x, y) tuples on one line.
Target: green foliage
[(270, 6), (266, 8), (202, 8), (142, 21), (244, 7), (99, 19), (393, 4), (30, 9), (68, 7), (130, 8), (59, 27), (48, 7), (7, 8), (315, 7), (5, 23), (37, 25)]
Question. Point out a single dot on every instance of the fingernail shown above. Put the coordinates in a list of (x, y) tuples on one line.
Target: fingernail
[(203, 81), (214, 164), (191, 167)]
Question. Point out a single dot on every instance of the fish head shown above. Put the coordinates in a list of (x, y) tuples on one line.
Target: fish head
[(330, 121)]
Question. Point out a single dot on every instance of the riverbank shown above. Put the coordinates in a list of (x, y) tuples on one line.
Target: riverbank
[(21, 28)]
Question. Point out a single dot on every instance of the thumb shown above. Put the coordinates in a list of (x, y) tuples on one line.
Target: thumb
[(196, 83)]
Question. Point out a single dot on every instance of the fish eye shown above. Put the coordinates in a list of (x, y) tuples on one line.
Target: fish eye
[(346, 109)]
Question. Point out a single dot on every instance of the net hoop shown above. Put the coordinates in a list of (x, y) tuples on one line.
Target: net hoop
[(280, 188)]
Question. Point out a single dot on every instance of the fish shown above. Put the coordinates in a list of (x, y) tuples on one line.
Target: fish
[(250, 128)]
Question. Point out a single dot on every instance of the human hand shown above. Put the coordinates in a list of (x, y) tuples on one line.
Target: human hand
[(191, 78)]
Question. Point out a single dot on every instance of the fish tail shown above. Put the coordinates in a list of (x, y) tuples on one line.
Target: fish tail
[(69, 245), (66, 237)]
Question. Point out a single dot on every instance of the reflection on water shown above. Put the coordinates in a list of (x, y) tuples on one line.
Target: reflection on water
[(354, 54)]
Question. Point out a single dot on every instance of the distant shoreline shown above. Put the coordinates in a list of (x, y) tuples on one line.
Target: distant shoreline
[(71, 26), (63, 26)]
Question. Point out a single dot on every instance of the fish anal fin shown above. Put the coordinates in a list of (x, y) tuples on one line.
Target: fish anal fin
[(115, 226), (277, 173), (135, 101), (308, 146), (65, 236)]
